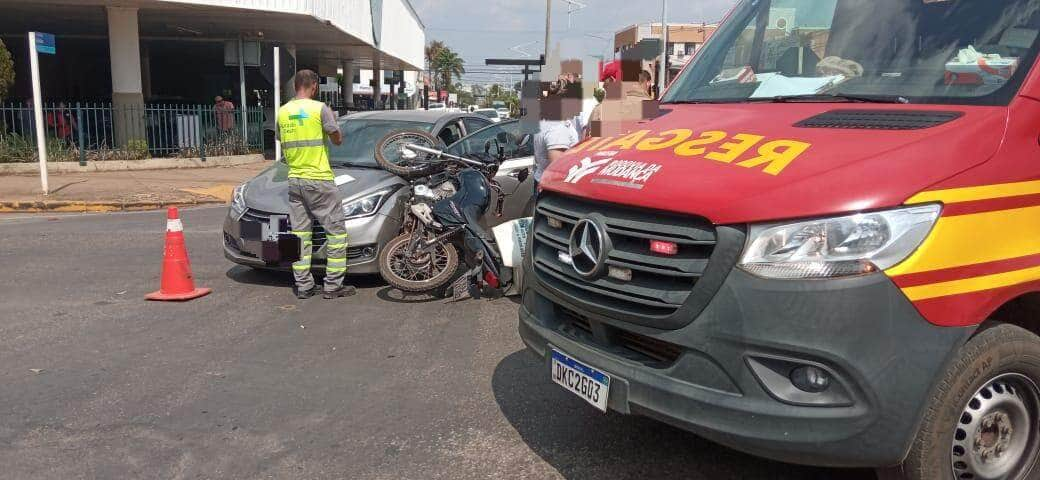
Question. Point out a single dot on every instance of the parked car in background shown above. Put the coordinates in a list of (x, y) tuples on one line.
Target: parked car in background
[(374, 199), (490, 113), (503, 113), (437, 106)]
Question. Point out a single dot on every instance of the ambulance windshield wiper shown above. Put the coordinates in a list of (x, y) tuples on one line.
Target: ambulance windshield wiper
[(832, 97)]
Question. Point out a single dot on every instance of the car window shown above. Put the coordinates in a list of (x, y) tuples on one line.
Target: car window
[(506, 136), (451, 133), (474, 124)]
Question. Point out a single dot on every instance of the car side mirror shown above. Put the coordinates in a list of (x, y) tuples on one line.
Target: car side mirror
[(526, 139), (521, 175)]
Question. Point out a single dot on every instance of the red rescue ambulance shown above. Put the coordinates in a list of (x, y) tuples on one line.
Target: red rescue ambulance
[(825, 249)]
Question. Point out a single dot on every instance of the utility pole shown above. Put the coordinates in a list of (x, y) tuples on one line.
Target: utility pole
[(548, 25), (662, 72)]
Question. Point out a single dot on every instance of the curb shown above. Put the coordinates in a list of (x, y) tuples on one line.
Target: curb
[(96, 207), (33, 168)]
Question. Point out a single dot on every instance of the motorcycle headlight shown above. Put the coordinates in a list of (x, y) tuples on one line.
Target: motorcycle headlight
[(837, 247), (238, 200), (365, 206)]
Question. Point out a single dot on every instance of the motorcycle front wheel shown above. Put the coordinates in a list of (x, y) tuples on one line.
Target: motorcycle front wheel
[(418, 272)]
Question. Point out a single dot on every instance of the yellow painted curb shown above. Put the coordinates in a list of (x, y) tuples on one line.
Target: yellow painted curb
[(93, 207)]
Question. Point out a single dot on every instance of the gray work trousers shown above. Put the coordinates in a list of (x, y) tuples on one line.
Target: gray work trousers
[(321, 201)]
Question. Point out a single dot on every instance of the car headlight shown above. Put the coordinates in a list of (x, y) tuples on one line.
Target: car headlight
[(365, 206), (238, 200), (838, 247)]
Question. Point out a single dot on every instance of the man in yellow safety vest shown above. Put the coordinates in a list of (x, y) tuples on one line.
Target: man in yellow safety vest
[(303, 125)]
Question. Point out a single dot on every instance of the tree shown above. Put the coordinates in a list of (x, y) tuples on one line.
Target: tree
[(432, 51), (6, 70), (495, 92), (448, 65)]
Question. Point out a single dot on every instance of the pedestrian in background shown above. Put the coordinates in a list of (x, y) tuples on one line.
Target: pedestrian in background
[(225, 113), (303, 126)]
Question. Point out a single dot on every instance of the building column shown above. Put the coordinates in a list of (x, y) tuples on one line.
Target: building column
[(347, 89), (377, 78), (124, 45), (289, 87)]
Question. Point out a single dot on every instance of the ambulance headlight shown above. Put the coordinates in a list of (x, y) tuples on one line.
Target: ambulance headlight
[(238, 201), (837, 247), (365, 206)]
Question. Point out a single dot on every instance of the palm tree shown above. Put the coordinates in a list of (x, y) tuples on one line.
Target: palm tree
[(432, 50), (448, 65)]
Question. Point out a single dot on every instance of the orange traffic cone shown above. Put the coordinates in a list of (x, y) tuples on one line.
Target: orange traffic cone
[(177, 282)]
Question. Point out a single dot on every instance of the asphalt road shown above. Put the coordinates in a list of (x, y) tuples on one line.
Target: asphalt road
[(250, 383)]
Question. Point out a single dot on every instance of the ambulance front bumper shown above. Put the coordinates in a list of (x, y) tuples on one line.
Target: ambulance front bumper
[(727, 375)]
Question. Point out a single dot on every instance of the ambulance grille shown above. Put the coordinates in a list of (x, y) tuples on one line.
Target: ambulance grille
[(666, 291), (879, 119)]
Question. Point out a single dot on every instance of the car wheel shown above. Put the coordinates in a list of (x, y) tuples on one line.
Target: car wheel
[(983, 419)]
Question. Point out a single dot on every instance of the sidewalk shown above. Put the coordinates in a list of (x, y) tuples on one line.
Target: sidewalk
[(127, 190)]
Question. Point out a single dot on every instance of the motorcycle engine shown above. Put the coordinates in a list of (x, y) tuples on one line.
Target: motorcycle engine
[(440, 192)]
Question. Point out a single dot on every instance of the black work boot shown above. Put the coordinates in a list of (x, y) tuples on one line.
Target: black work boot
[(305, 294), (344, 291)]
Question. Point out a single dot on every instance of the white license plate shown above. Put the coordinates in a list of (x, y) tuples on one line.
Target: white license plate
[(584, 381)]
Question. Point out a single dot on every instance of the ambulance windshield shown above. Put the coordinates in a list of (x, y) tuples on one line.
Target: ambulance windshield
[(905, 51)]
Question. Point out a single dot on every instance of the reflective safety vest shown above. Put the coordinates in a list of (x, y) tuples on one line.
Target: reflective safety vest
[(303, 140)]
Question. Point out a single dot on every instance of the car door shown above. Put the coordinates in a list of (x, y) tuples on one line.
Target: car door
[(515, 150)]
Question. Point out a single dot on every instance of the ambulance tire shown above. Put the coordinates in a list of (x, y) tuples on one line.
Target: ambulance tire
[(990, 384)]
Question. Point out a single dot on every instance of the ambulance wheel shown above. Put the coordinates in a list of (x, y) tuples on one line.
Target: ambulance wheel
[(418, 273), (983, 420)]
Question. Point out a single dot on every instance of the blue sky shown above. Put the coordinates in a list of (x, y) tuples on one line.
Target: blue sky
[(480, 29)]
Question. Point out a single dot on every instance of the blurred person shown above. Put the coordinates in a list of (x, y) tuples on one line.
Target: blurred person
[(62, 123), (225, 113)]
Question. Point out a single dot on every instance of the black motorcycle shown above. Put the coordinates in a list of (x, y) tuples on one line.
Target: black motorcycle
[(449, 196)]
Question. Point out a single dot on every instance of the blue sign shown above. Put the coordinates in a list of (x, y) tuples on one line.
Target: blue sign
[(45, 43)]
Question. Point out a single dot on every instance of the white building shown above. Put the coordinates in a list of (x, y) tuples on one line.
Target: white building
[(137, 51)]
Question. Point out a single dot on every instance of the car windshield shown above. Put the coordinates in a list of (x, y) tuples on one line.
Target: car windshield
[(360, 137), (487, 113), (898, 51)]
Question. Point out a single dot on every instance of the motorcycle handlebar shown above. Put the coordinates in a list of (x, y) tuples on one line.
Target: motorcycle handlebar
[(441, 153)]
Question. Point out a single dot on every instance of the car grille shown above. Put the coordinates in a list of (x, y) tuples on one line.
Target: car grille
[(252, 215), (358, 252), (633, 346), (666, 291)]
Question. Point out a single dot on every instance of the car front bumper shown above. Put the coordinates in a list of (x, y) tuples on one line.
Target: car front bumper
[(715, 379), (366, 237)]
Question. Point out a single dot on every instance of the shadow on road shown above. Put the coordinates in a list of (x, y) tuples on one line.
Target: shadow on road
[(275, 278), (264, 278), (582, 443), (393, 295)]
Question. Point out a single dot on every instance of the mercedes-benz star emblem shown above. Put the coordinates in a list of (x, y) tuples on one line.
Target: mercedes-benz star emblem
[(588, 248)]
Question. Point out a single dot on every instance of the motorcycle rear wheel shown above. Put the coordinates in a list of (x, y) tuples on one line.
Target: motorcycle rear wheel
[(390, 153), (417, 273)]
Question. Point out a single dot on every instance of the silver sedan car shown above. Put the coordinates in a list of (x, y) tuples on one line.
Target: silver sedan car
[(374, 199)]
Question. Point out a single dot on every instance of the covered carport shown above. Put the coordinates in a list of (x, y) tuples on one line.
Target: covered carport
[(133, 52)]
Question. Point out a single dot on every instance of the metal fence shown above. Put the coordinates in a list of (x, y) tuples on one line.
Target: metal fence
[(102, 131)]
